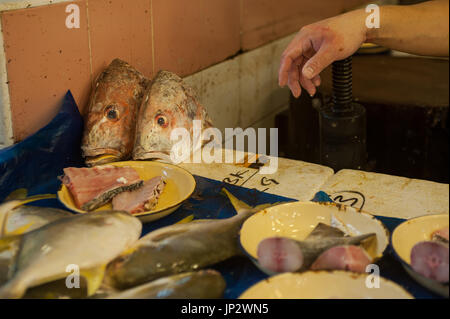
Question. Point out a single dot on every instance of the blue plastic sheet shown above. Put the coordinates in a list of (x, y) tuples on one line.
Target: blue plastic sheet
[(36, 163)]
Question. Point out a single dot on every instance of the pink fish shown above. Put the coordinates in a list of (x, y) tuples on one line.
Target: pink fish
[(168, 104), (348, 258), (430, 259), (111, 119)]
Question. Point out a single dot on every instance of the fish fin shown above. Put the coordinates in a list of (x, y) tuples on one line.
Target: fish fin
[(242, 207), (19, 231), (18, 194), (237, 204), (186, 220), (6, 243), (94, 278), (322, 231), (13, 289), (370, 245), (190, 219), (6, 207)]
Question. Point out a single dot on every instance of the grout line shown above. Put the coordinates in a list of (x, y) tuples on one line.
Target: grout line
[(153, 37), (7, 5), (6, 126), (89, 43)]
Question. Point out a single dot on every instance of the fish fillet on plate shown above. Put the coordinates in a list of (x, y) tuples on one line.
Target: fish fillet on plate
[(141, 200), (91, 188)]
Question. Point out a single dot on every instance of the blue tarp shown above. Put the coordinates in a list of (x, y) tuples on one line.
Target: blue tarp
[(36, 163)]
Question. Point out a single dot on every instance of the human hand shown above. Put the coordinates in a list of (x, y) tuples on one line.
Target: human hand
[(318, 45)]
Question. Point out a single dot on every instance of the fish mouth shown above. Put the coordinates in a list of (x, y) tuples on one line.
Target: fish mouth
[(154, 155), (101, 156)]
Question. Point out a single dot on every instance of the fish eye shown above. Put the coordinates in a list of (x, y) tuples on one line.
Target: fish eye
[(162, 121), (112, 113)]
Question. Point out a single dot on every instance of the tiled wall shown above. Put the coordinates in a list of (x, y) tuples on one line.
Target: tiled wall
[(243, 91), (42, 58)]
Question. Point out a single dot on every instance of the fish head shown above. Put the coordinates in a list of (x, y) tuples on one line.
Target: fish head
[(111, 120), (168, 104)]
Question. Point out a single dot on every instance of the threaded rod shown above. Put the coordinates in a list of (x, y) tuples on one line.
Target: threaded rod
[(342, 85)]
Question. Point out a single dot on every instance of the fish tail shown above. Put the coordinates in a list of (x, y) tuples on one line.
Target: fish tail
[(14, 289), (242, 207), (238, 205)]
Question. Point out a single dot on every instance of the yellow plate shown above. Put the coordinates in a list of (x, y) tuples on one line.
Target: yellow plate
[(180, 185), (297, 220), (324, 285), (410, 233)]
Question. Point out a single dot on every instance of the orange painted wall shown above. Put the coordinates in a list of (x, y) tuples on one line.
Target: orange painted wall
[(45, 59)]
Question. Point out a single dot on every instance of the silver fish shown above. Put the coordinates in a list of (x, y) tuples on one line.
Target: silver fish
[(204, 284), (25, 219), (89, 241), (180, 248)]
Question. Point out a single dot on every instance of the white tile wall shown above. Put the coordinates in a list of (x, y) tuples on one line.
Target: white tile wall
[(217, 88), (240, 92), (244, 92)]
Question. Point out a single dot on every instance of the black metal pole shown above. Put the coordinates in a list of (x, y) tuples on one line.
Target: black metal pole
[(343, 124)]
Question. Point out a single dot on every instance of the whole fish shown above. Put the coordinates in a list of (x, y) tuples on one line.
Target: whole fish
[(18, 219), (111, 119), (25, 219), (14, 201), (204, 284), (280, 255), (88, 241), (180, 248), (168, 104)]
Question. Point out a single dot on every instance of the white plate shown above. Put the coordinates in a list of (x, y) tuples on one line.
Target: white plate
[(324, 285)]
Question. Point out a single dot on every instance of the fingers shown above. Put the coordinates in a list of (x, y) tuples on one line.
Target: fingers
[(317, 81), (297, 81), (322, 59), (308, 85), (292, 53), (294, 81)]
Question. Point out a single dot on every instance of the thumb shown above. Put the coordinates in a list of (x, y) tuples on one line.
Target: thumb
[(315, 65)]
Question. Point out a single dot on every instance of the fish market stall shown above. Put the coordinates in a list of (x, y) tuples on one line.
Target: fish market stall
[(201, 242)]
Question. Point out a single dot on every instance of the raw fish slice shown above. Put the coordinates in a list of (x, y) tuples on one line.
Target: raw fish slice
[(349, 258), (288, 255), (91, 188), (141, 200), (430, 259)]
